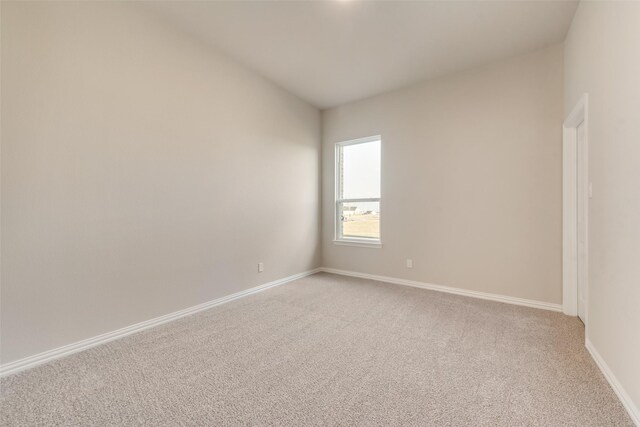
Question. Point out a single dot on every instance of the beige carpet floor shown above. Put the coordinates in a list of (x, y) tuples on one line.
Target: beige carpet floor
[(329, 350)]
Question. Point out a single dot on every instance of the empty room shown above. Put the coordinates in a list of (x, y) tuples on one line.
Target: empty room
[(320, 213)]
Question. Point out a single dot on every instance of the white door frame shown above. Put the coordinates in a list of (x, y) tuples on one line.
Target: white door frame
[(578, 115)]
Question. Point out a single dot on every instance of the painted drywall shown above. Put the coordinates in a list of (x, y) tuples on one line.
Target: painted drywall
[(602, 58), (142, 173), (471, 179)]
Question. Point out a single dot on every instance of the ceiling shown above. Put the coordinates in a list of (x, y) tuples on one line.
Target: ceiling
[(333, 52)]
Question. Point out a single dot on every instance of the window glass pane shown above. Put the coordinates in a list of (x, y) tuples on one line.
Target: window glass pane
[(361, 171), (359, 219)]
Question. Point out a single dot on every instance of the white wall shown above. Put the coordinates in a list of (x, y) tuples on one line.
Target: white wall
[(141, 174), (471, 179), (602, 58)]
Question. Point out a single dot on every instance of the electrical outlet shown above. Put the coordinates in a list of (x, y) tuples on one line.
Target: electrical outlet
[(409, 263), (260, 267)]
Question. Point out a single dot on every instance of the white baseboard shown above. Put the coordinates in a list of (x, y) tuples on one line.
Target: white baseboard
[(628, 404), (450, 290), (47, 356)]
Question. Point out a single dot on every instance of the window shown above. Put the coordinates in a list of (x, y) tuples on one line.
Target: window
[(358, 191)]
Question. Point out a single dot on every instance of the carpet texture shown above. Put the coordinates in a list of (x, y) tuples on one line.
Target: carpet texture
[(330, 350)]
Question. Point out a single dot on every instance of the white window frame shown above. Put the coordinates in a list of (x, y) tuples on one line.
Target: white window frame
[(338, 238)]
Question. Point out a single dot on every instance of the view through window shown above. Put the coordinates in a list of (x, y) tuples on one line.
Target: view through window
[(358, 190)]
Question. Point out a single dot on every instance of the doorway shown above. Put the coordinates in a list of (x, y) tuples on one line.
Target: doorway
[(582, 179), (576, 194)]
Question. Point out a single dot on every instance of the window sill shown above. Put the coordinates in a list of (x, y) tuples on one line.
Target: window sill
[(358, 242)]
